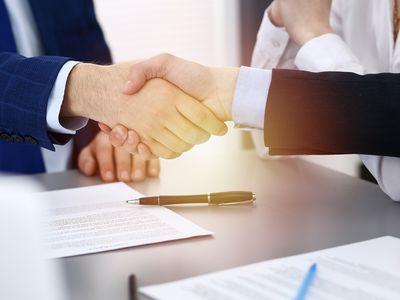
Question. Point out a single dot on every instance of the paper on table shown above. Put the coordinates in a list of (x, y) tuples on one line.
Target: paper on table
[(366, 270), (94, 219)]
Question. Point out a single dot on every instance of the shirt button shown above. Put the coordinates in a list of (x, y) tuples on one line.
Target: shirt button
[(276, 44)]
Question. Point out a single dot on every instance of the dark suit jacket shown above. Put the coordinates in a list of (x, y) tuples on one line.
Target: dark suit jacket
[(68, 29), (333, 113)]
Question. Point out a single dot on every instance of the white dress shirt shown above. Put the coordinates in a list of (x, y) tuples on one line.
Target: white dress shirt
[(363, 44), (28, 44)]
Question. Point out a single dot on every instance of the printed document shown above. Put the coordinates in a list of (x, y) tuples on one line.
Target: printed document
[(97, 218), (365, 270)]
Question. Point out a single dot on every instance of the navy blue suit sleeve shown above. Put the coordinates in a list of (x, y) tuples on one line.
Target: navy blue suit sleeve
[(333, 113), (25, 87)]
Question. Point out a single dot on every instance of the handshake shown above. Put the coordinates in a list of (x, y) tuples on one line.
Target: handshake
[(159, 107)]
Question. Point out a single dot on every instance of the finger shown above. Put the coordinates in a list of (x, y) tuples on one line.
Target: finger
[(187, 131), (133, 146), (118, 135), (87, 162), (132, 142), (158, 149), (138, 168), (143, 71), (105, 128), (105, 160), (123, 164), (153, 167), (198, 114), (169, 140), (144, 152)]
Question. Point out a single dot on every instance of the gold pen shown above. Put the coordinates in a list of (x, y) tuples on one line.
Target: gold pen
[(234, 197)]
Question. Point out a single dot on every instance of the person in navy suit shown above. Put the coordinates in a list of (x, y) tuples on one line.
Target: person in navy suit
[(63, 30), (48, 93)]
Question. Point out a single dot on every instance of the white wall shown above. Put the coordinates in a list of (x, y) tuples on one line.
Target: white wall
[(206, 31)]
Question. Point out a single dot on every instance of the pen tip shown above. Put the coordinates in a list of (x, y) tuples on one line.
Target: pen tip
[(132, 201)]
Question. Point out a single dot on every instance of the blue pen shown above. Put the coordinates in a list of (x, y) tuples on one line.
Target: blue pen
[(306, 284)]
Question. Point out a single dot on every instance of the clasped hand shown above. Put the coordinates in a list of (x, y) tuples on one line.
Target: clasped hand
[(167, 120), (193, 101), (213, 87)]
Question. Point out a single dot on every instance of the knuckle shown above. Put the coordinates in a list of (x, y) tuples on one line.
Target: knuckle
[(130, 148), (197, 136), (189, 147), (221, 129), (202, 116), (151, 126), (165, 57), (204, 138), (151, 148), (115, 142), (103, 149), (167, 154), (181, 146), (172, 155), (123, 162)]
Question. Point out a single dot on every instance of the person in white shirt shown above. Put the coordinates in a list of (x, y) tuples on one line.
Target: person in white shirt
[(360, 39), (363, 40)]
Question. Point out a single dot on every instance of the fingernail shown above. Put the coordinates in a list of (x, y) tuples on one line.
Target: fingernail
[(153, 171), (108, 175), (138, 174), (117, 135), (131, 140), (125, 175)]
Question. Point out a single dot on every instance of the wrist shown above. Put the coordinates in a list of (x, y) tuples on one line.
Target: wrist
[(76, 96), (305, 35), (225, 79), (86, 93)]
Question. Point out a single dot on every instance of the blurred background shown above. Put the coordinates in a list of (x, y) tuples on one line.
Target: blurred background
[(212, 32)]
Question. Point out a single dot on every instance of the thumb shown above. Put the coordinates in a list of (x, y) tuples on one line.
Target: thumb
[(146, 70), (192, 78)]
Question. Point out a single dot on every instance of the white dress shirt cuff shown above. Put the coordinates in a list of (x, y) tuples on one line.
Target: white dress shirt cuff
[(54, 123), (250, 99), (333, 55), (271, 41)]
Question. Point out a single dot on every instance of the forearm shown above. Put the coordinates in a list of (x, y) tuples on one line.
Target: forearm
[(26, 85), (333, 112), (89, 93), (84, 85)]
